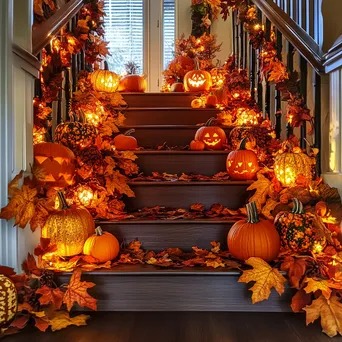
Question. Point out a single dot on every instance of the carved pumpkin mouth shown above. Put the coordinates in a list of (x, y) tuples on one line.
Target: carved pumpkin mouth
[(212, 142), (196, 82)]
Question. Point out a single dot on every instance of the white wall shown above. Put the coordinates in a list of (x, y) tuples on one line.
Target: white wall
[(223, 29)]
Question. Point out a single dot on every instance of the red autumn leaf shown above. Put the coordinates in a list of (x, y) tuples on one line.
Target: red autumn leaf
[(300, 300), (77, 292), (295, 267), (20, 322), (41, 323), (44, 247), (51, 296), (7, 271), (30, 266)]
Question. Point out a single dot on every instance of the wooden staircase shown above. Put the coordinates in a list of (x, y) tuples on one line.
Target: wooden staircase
[(160, 118)]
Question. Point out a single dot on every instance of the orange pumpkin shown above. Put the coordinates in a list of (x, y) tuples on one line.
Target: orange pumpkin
[(213, 137), (197, 80), (68, 228), (211, 101), (56, 162), (242, 164), (177, 87), (125, 142), (105, 80), (197, 145), (103, 246), (196, 103), (133, 84), (254, 237)]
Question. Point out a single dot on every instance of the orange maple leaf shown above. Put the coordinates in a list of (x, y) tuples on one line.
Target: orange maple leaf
[(265, 278), (295, 267), (118, 182), (278, 72), (315, 284), (51, 296), (330, 311), (77, 292), (300, 300)]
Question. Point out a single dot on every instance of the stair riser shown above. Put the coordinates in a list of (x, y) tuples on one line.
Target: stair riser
[(204, 164), (178, 293), (161, 236), (184, 195), (152, 137), (168, 116), (158, 100)]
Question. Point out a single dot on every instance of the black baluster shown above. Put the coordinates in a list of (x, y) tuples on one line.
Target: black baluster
[(73, 59), (237, 39), (260, 87), (318, 121), (303, 90), (59, 107), (268, 87), (67, 90), (252, 68), (278, 93), (290, 51)]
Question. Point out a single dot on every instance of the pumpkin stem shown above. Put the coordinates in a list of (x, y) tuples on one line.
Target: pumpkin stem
[(129, 132), (252, 213), (210, 122), (196, 61), (62, 201), (298, 207), (98, 231), (243, 143), (81, 116)]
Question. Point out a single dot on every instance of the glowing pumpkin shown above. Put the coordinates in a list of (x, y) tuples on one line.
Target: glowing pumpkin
[(197, 80), (213, 137), (104, 80), (103, 246), (56, 163), (8, 300), (125, 142), (289, 165), (254, 237), (196, 103), (242, 164), (68, 228)]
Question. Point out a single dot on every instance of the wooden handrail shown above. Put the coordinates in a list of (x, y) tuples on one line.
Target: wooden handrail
[(333, 58), (28, 61), (42, 33), (298, 37)]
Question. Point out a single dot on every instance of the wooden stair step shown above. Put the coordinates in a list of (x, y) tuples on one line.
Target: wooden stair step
[(231, 194), (159, 99), (177, 162), (159, 234), (152, 136), (168, 116), (147, 288)]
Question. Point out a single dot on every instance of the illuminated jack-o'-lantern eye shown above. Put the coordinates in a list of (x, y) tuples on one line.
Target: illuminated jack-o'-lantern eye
[(207, 135), (215, 135)]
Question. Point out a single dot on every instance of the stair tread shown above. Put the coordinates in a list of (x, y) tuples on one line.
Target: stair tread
[(162, 94), (170, 126), (177, 152), (191, 183), (142, 270), (172, 109), (147, 221)]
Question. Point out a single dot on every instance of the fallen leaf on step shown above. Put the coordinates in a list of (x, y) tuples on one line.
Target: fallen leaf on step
[(316, 284), (50, 296), (62, 319), (295, 268), (300, 300)]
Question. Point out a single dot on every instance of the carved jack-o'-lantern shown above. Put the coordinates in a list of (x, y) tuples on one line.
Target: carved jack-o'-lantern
[(104, 80), (213, 137), (242, 164), (56, 162), (8, 300), (197, 80)]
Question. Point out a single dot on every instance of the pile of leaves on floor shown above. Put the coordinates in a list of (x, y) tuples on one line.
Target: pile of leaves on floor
[(44, 303)]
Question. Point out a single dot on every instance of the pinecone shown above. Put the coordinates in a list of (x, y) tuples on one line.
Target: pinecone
[(47, 278), (91, 156)]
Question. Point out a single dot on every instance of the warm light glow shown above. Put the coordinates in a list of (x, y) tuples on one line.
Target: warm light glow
[(236, 95), (317, 248), (247, 116), (85, 194)]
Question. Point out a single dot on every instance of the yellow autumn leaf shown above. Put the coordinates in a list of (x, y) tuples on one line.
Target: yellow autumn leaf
[(13, 186), (330, 311), (118, 182), (62, 320), (265, 278), (262, 187), (314, 285), (268, 207)]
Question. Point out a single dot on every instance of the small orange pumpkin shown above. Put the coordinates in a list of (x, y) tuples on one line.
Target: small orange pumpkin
[(196, 103), (125, 142), (197, 80), (211, 101), (213, 137), (105, 80), (254, 237), (197, 145), (133, 84), (103, 246), (242, 164), (177, 87)]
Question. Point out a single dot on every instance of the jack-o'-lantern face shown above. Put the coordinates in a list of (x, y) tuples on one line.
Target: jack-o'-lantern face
[(212, 136), (55, 164), (197, 80), (242, 164)]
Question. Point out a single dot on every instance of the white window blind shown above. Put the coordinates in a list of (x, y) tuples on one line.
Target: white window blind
[(124, 30), (169, 33)]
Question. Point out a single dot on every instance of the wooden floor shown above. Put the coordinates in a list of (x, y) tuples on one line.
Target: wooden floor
[(185, 326)]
